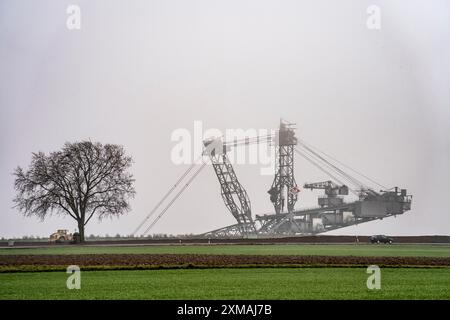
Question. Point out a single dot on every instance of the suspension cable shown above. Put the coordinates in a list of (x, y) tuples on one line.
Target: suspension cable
[(318, 166), (245, 141), (343, 164), (176, 197), (345, 175), (253, 140), (305, 156), (167, 194)]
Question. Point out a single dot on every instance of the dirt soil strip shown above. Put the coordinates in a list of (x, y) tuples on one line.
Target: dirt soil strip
[(211, 260), (206, 241)]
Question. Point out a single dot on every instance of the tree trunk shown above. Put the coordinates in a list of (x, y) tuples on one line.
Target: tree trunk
[(81, 231)]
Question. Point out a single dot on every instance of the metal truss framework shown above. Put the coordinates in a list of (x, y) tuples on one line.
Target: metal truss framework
[(374, 206), (233, 194), (283, 191), (332, 213), (300, 222)]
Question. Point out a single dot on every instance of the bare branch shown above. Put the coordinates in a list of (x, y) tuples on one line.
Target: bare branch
[(82, 180)]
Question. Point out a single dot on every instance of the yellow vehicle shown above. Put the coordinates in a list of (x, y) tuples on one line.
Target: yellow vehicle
[(61, 236)]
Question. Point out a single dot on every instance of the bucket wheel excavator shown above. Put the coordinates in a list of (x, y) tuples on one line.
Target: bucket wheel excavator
[(334, 210)]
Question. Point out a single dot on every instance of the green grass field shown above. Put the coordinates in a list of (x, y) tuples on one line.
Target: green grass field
[(230, 283), (400, 250), (295, 283)]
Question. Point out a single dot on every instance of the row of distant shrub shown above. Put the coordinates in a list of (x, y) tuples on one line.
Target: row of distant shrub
[(105, 237)]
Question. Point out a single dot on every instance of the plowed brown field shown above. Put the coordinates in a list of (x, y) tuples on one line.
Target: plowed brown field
[(212, 260)]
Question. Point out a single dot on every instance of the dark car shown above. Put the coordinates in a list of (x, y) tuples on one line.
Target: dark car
[(380, 239)]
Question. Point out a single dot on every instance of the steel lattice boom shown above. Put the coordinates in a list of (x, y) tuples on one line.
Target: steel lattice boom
[(333, 211), (233, 194)]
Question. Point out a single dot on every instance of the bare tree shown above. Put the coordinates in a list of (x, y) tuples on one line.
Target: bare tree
[(81, 180)]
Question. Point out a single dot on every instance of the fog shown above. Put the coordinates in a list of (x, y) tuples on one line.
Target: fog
[(136, 71)]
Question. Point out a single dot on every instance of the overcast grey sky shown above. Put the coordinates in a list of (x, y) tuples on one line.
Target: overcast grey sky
[(377, 100)]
